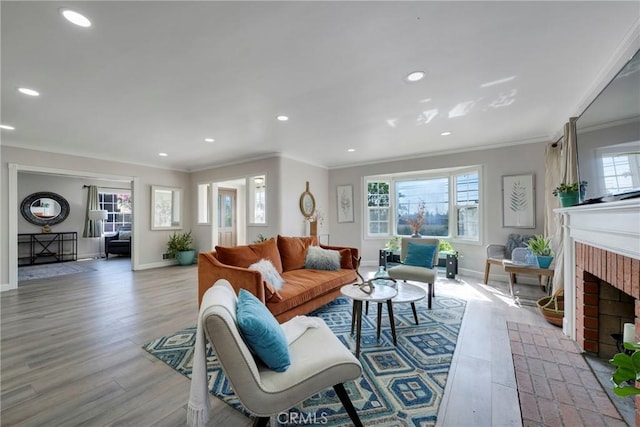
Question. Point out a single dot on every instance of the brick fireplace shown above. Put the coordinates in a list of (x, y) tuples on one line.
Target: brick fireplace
[(602, 274)]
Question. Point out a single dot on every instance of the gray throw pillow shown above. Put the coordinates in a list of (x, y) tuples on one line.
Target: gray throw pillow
[(322, 259)]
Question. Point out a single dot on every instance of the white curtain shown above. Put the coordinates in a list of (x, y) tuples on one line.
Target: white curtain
[(561, 167), (91, 228)]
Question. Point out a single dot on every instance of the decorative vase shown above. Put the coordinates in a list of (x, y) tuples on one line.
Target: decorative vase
[(544, 261), (416, 235), (569, 198), (185, 257)]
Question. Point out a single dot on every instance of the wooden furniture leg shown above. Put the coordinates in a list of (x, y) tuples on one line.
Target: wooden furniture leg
[(487, 267)]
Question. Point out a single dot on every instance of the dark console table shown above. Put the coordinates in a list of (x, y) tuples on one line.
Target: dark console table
[(44, 248)]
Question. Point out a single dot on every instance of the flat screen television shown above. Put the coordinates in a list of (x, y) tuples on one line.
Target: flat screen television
[(608, 138)]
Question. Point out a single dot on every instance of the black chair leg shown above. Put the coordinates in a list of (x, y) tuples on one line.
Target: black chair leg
[(346, 402), (261, 422)]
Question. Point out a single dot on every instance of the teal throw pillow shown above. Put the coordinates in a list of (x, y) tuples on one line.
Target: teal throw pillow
[(420, 255), (262, 332)]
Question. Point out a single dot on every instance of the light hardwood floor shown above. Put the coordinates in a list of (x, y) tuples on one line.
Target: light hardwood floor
[(71, 351)]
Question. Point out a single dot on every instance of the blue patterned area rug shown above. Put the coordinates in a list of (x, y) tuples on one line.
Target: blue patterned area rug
[(33, 272), (400, 386)]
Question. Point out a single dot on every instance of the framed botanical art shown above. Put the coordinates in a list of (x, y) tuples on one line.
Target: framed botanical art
[(345, 203), (518, 201)]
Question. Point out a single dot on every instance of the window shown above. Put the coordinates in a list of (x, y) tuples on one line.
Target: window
[(258, 199), (203, 203), (378, 204), (118, 206), (467, 200), (427, 199), (444, 203)]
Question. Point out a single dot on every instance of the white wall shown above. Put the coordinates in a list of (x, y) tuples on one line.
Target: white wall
[(294, 176), (512, 160), (151, 244)]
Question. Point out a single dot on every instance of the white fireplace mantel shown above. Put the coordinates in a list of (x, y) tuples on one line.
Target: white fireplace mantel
[(613, 226)]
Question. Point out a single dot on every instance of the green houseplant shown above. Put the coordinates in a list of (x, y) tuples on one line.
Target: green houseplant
[(570, 194), (627, 372), (180, 247), (540, 246)]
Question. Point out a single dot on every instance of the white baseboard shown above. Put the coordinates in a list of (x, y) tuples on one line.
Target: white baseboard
[(6, 287), (165, 263)]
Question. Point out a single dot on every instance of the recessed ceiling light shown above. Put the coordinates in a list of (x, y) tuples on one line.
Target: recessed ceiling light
[(162, 154), (351, 150), (282, 118), (7, 127), (445, 133), (75, 18), (27, 91), (209, 140), (415, 76)]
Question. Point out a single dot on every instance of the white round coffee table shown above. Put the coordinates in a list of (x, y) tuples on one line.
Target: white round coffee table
[(409, 293), (379, 294)]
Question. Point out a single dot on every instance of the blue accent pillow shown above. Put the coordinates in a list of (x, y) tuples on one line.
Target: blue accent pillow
[(262, 332), (420, 255)]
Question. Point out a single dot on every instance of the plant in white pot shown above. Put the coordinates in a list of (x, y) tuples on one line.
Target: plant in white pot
[(540, 246), (180, 247)]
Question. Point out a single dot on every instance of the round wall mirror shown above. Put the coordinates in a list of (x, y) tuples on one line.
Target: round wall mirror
[(307, 203), (44, 208)]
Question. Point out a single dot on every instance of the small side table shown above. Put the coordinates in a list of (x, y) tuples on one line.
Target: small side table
[(512, 269), (379, 294)]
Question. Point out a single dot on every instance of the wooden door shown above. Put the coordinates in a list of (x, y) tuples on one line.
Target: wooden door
[(227, 217)]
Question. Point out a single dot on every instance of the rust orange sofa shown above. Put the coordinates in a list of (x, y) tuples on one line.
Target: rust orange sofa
[(304, 290)]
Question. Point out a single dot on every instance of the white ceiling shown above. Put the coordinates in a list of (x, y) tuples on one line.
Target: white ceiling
[(152, 77)]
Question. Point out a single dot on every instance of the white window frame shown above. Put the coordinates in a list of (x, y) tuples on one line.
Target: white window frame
[(451, 173)]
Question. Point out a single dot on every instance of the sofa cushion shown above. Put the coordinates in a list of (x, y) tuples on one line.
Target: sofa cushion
[(262, 332), (303, 285), (322, 259), (244, 256), (293, 251), (269, 273), (124, 235)]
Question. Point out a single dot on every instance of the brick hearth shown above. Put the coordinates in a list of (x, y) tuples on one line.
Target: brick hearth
[(621, 272)]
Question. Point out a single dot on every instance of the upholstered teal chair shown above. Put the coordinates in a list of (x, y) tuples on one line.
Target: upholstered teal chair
[(424, 274)]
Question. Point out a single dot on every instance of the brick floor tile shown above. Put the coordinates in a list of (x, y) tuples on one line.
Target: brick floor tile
[(591, 419), (580, 397), (512, 326), (561, 357), (604, 404), (554, 343), (524, 382), (577, 360), (540, 340), (516, 348), (550, 412), (552, 370), (570, 346), (541, 387), (536, 367), (546, 354), (529, 423), (560, 391), (613, 422), (526, 337), (514, 336), (570, 375), (589, 380), (529, 407), (520, 362), (569, 415), (530, 350)]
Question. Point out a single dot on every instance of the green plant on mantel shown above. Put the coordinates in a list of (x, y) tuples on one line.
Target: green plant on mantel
[(540, 245), (568, 188), (628, 370)]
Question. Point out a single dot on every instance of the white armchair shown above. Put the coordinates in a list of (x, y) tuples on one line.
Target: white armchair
[(498, 253), (318, 361)]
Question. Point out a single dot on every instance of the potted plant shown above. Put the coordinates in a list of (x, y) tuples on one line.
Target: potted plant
[(628, 370), (540, 246), (180, 247), (570, 194)]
